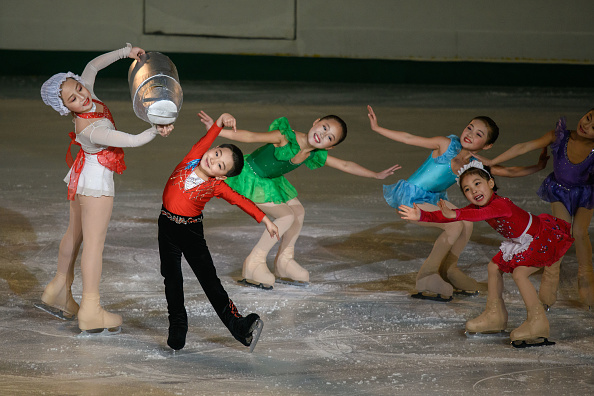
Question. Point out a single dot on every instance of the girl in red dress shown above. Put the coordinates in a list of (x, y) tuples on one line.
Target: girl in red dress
[(532, 242)]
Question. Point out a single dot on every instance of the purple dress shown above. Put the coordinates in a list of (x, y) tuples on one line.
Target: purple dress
[(571, 184)]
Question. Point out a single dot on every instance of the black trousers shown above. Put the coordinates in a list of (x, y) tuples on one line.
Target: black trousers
[(182, 235)]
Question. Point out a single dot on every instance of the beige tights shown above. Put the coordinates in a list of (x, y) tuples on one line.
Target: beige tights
[(71, 241), (583, 248), (57, 293), (526, 288), (450, 243), (536, 324), (89, 216), (95, 216), (289, 220)]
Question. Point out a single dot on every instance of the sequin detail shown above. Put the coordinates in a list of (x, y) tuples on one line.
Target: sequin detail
[(199, 191), (181, 219)]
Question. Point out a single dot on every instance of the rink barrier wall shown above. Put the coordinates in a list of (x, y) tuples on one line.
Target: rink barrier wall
[(217, 67)]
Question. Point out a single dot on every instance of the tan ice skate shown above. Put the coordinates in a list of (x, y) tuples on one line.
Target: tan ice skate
[(549, 284), (433, 287), (492, 320), (57, 298), (255, 272), (94, 320), (288, 271), (462, 283), (534, 331)]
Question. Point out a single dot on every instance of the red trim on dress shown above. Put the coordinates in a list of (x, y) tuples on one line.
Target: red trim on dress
[(112, 157)]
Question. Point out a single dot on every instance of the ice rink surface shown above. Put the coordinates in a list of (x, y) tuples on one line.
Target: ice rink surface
[(354, 331)]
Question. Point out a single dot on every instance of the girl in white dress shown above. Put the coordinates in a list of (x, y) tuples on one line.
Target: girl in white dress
[(90, 188)]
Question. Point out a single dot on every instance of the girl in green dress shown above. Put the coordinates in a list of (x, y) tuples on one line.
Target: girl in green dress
[(262, 180)]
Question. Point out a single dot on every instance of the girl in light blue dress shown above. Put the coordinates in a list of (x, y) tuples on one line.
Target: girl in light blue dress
[(439, 275)]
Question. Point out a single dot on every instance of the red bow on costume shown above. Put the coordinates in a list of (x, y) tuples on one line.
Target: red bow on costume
[(112, 157)]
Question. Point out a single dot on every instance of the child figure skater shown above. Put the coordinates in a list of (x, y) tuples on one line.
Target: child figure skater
[(262, 180), (199, 177), (570, 190), (439, 274), (532, 242), (90, 188)]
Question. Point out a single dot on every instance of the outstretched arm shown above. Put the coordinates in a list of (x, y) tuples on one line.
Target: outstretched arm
[(242, 135), (357, 170), (415, 213), (105, 136), (518, 171), (521, 148), (439, 143), (102, 61)]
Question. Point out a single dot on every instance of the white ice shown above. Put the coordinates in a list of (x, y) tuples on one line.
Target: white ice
[(354, 331)]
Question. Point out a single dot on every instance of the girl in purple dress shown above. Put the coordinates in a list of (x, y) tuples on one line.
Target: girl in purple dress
[(570, 190)]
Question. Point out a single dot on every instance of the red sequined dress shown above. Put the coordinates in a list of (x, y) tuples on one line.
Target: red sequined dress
[(532, 241)]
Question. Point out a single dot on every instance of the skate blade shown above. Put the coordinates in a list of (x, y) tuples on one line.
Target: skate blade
[(467, 293), (542, 341), (256, 330), (292, 282), (432, 297), (100, 332), (251, 283), (486, 334), (58, 313)]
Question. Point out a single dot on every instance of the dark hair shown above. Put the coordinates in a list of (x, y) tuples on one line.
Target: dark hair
[(237, 157), (481, 173), (491, 126), (342, 124)]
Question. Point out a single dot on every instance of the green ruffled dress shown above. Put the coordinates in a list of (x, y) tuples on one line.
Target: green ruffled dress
[(262, 180)]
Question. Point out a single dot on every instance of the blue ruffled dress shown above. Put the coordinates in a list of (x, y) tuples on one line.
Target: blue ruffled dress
[(429, 182)]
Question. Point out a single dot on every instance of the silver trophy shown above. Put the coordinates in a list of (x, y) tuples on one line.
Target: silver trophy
[(154, 86)]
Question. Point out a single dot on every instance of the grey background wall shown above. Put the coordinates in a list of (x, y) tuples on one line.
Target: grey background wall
[(541, 35)]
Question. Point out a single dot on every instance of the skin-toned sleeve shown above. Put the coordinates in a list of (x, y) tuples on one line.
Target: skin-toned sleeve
[(101, 62), (102, 134)]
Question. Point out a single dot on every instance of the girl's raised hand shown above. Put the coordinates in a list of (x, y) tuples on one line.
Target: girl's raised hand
[(205, 119), (372, 118), (135, 53), (445, 210), (388, 172), (228, 121), (408, 213)]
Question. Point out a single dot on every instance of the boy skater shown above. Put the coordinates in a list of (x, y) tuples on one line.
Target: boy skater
[(199, 177)]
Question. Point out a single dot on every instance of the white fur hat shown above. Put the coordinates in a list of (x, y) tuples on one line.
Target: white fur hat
[(51, 89)]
